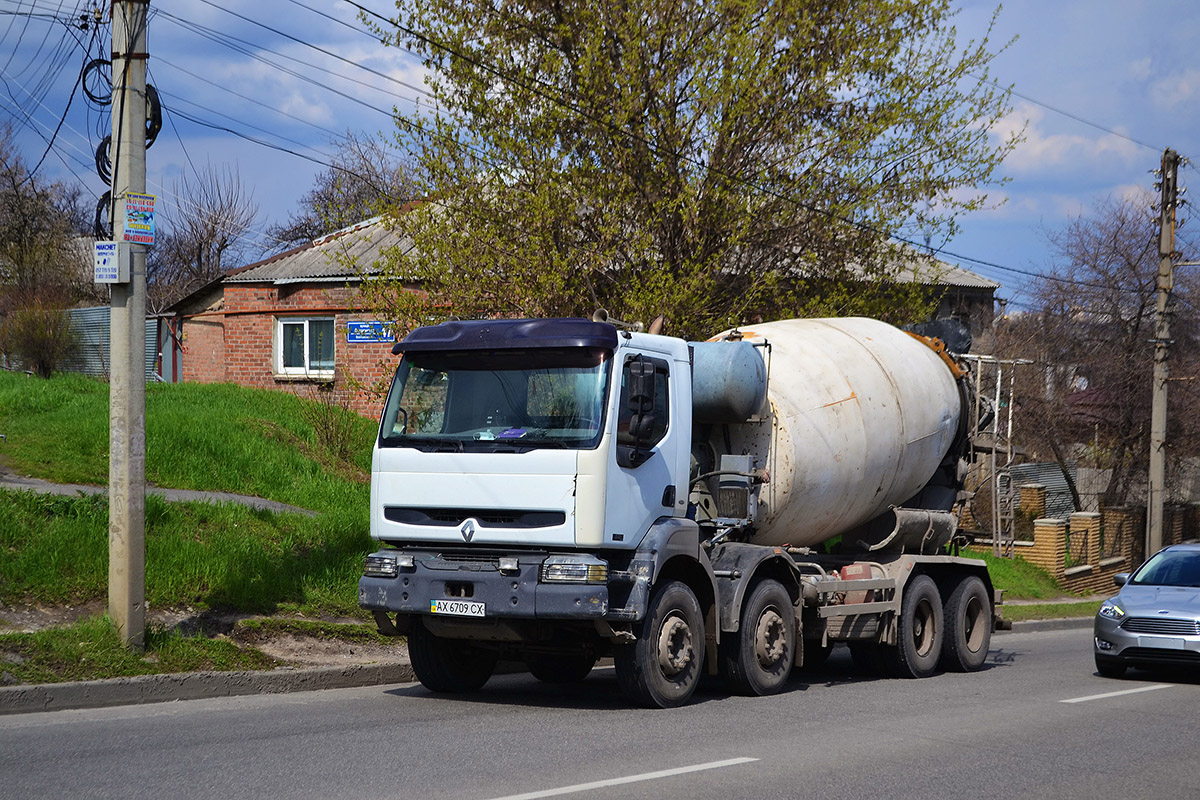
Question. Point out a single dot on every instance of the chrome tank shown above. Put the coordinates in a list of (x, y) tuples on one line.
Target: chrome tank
[(859, 417)]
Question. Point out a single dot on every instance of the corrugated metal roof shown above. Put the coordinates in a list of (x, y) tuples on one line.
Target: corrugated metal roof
[(939, 273), (343, 255)]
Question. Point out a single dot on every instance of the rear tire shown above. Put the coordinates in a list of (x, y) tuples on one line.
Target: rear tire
[(662, 668), (448, 666), (758, 659), (968, 626), (560, 667), (918, 630)]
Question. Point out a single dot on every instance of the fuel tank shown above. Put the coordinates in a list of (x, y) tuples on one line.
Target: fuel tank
[(858, 417)]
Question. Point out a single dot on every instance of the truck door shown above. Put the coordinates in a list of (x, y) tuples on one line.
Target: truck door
[(643, 473)]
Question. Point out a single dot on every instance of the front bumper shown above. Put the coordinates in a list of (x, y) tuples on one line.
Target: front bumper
[(1114, 641), (518, 594)]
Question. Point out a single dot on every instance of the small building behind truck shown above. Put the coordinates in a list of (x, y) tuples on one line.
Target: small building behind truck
[(555, 491)]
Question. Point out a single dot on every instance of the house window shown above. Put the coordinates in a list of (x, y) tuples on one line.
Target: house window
[(304, 347)]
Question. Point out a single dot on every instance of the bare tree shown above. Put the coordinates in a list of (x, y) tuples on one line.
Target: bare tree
[(206, 233), (41, 257), (366, 179), (1090, 338)]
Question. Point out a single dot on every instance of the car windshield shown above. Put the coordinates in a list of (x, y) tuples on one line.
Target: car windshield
[(1170, 568), (498, 401)]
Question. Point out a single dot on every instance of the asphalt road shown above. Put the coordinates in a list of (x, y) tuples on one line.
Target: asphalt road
[(1036, 723)]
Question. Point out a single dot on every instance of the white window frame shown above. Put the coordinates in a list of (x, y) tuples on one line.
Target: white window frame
[(304, 371)]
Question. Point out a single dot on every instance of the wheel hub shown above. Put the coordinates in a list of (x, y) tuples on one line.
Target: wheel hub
[(674, 646), (769, 638)]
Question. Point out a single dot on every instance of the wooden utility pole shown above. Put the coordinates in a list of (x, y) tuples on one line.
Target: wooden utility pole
[(127, 387), (1162, 348)]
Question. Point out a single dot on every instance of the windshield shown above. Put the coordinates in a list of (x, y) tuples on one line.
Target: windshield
[(497, 401), (1170, 568)]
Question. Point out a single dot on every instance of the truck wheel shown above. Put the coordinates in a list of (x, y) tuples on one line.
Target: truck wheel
[(560, 667), (758, 660), (661, 669), (968, 626), (448, 665), (919, 631)]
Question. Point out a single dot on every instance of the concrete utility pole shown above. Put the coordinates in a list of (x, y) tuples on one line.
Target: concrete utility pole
[(1162, 346), (127, 402)]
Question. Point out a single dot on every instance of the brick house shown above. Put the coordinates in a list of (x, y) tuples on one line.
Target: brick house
[(292, 322)]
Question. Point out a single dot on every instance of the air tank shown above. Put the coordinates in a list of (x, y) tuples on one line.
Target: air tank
[(858, 417)]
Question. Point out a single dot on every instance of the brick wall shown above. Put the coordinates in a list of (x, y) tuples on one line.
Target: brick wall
[(238, 345), (203, 348)]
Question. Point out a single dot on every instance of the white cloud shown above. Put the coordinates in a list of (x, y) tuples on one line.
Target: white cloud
[(1140, 70), (1175, 89), (1041, 152)]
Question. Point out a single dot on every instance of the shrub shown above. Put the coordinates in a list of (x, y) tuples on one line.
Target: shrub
[(39, 337)]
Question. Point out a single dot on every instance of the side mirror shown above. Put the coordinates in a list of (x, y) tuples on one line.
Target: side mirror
[(641, 408), (1121, 578)]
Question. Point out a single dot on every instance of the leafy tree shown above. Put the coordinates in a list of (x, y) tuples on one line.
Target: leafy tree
[(1088, 393), (711, 160), (365, 180)]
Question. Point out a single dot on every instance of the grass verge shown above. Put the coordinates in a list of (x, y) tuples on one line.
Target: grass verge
[(54, 551), (92, 649), (1031, 611)]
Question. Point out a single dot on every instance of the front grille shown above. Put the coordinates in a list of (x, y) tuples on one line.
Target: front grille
[(490, 518), (1164, 626), (1155, 655)]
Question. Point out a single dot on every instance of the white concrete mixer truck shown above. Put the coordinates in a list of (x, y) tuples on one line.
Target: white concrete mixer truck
[(556, 491)]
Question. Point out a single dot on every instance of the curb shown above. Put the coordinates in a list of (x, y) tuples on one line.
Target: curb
[(194, 686), (1035, 625), (144, 689)]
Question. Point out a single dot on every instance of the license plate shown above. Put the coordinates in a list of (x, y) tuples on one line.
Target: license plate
[(1162, 642), (457, 608)]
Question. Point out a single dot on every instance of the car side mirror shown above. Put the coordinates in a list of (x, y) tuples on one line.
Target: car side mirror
[(1121, 578)]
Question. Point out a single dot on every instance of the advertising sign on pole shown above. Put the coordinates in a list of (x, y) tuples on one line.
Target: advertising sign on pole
[(139, 218)]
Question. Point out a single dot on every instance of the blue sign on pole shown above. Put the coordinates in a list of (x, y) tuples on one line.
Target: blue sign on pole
[(369, 332)]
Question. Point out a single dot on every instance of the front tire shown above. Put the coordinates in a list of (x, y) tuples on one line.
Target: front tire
[(919, 631), (662, 668), (448, 666), (758, 660), (968, 626)]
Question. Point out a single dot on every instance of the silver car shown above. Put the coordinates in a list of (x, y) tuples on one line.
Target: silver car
[(1154, 621)]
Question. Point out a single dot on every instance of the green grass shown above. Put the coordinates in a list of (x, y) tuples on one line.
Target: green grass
[(91, 648), (209, 437), (1019, 613), (248, 630), (1019, 579), (199, 555)]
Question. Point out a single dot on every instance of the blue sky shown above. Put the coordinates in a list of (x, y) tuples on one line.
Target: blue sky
[(1102, 87)]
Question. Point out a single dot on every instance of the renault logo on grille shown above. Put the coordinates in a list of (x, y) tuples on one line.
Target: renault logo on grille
[(467, 529)]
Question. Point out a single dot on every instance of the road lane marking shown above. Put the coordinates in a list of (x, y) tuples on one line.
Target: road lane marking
[(1107, 695), (645, 776)]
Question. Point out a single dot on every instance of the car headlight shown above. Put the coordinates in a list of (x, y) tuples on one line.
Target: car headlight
[(574, 569), (1111, 610)]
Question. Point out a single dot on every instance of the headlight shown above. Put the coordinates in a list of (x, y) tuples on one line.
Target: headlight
[(387, 566), (380, 567), (574, 569), (1111, 610)]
